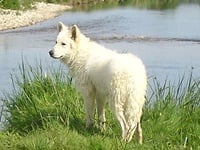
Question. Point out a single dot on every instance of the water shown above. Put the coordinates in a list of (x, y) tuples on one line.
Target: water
[(168, 41)]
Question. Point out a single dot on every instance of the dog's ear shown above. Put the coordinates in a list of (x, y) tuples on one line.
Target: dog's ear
[(75, 32), (60, 26)]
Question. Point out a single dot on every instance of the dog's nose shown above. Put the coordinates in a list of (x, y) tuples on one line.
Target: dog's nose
[(51, 53)]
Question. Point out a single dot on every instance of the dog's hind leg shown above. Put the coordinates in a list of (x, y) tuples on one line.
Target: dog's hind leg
[(133, 115), (124, 127), (139, 133), (130, 132)]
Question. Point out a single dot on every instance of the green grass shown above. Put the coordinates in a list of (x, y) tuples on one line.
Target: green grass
[(46, 112), (28, 4), (96, 4), (16, 4), (25, 4)]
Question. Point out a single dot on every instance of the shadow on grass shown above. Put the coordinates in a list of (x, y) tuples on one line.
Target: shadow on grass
[(78, 124)]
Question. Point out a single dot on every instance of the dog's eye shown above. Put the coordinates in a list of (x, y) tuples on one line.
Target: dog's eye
[(63, 43), (56, 42)]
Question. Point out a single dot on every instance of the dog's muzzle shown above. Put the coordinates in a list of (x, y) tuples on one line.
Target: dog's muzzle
[(51, 53)]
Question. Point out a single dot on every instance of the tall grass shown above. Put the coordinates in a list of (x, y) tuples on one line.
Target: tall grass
[(39, 98), (172, 117), (46, 112)]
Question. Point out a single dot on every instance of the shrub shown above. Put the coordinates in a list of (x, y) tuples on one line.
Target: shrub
[(16, 4)]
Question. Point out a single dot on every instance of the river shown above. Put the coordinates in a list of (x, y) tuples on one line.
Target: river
[(168, 41)]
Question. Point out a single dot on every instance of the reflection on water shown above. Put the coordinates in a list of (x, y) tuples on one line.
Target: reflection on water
[(168, 41)]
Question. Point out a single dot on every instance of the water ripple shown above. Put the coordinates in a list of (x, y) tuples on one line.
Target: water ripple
[(142, 39)]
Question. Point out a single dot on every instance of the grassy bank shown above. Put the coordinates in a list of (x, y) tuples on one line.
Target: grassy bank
[(16, 4), (97, 4), (26, 4), (46, 112)]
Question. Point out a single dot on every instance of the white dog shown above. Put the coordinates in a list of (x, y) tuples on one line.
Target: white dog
[(101, 74)]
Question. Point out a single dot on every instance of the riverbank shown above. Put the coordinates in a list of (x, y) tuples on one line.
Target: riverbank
[(46, 112), (11, 19)]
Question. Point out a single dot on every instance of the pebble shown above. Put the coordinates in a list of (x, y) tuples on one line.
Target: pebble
[(11, 19)]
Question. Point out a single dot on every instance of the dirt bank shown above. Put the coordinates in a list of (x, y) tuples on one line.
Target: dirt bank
[(10, 19)]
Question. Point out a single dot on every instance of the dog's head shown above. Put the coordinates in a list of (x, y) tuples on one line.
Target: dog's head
[(66, 42)]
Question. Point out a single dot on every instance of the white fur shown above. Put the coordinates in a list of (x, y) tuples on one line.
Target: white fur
[(101, 74)]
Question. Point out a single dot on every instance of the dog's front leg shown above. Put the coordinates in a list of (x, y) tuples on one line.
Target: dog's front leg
[(101, 113), (90, 110)]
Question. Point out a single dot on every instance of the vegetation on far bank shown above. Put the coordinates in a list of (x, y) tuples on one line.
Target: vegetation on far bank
[(95, 4), (25, 4), (46, 112)]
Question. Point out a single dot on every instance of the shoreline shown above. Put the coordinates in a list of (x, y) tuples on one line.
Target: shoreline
[(12, 19)]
